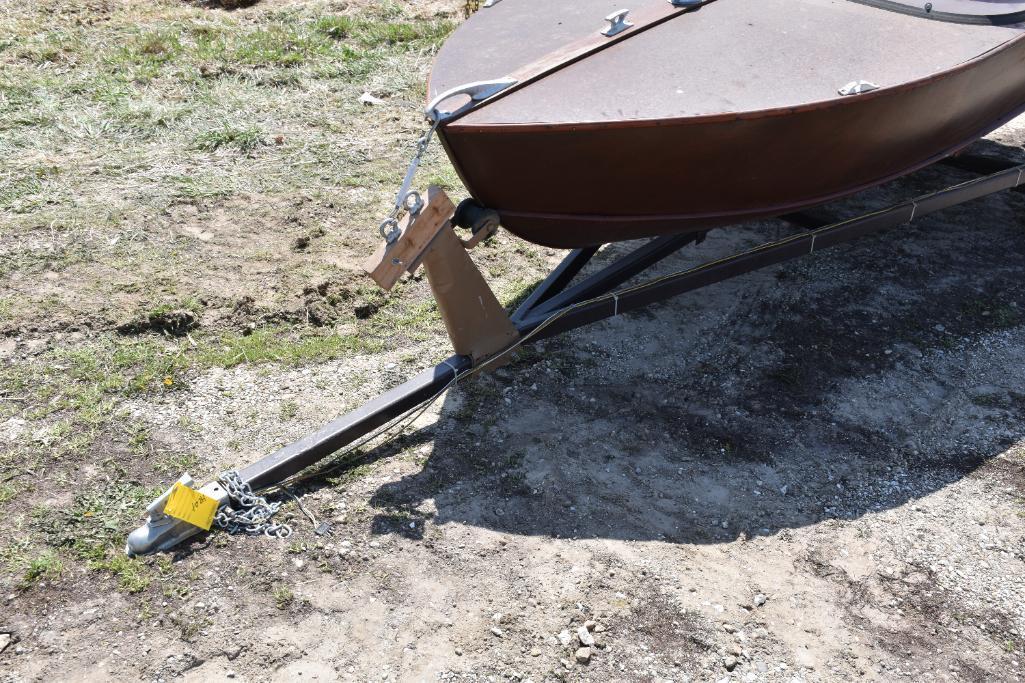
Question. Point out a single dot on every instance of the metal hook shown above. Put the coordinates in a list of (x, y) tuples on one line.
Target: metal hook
[(390, 230), (414, 203)]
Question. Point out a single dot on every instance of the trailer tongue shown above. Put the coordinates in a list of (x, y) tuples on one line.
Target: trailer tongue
[(557, 305)]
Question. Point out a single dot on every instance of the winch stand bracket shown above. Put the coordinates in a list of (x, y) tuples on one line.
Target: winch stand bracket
[(478, 325)]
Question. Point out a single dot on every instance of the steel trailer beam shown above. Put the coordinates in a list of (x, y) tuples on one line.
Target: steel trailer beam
[(980, 164), (584, 312), (297, 456), (618, 272), (556, 281)]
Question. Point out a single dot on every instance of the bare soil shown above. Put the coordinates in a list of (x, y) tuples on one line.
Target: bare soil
[(812, 473)]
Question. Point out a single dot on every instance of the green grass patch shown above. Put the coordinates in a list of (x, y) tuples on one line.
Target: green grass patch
[(97, 521), (7, 493), (244, 140), (152, 48), (131, 574), (277, 345), (46, 565), (289, 409), (335, 27), (405, 33), (283, 596)]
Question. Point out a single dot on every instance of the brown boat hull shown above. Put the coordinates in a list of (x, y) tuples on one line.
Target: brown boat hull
[(573, 185)]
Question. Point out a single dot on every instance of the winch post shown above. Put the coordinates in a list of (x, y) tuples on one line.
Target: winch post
[(477, 324)]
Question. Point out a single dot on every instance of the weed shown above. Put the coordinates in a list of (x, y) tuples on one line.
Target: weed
[(164, 566), (244, 140), (46, 565), (7, 493), (189, 626), (278, 345), (130, 573), (289, 409), (335, 27), (177, 463), (283, 596)]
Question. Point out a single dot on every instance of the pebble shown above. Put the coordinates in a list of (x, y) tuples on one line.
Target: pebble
[(585, 637), (730, 663), (497, 631), (583, 655), (760, 600), (565, 638), (590, 624)]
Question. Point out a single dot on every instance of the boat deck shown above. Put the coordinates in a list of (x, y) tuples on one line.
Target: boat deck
[(779, 54)]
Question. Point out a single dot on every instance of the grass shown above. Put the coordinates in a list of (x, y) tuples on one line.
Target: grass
[(46, 565), (289, 409), (283, 596), (132, 575), (121, 135), (244, 140)]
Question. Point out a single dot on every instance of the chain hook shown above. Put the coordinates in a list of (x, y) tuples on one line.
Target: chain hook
[(407, 198), (390, 230)]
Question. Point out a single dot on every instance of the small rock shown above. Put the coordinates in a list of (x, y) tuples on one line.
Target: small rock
[(535, 652), (590, 624), (585, 637), (497, 632), (459, 652), (729, 628), (730, 663), (5, 640), (583, 655), (760, 600), (370, 101), (565, 638)]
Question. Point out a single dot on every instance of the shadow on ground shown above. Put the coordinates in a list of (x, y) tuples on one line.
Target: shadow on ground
[(825, 389)]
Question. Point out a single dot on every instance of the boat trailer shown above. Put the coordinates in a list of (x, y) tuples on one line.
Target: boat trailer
[(484, 335)]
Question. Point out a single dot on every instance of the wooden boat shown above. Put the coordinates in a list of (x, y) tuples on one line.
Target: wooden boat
[(703, 114)]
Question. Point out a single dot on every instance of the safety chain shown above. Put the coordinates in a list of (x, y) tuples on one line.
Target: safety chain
[(406, 198), (247, 512)]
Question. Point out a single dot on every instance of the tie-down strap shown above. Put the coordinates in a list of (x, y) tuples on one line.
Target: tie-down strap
[(622, 25)]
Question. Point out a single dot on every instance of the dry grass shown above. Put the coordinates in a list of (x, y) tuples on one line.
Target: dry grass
[(167, 155)]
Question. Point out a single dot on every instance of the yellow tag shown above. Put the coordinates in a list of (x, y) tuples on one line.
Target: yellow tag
[(189, 505)]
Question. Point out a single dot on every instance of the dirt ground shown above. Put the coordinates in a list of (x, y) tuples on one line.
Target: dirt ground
[(812, 473)]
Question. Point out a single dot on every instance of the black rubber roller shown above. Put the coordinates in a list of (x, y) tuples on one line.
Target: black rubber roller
[(471, 215)]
